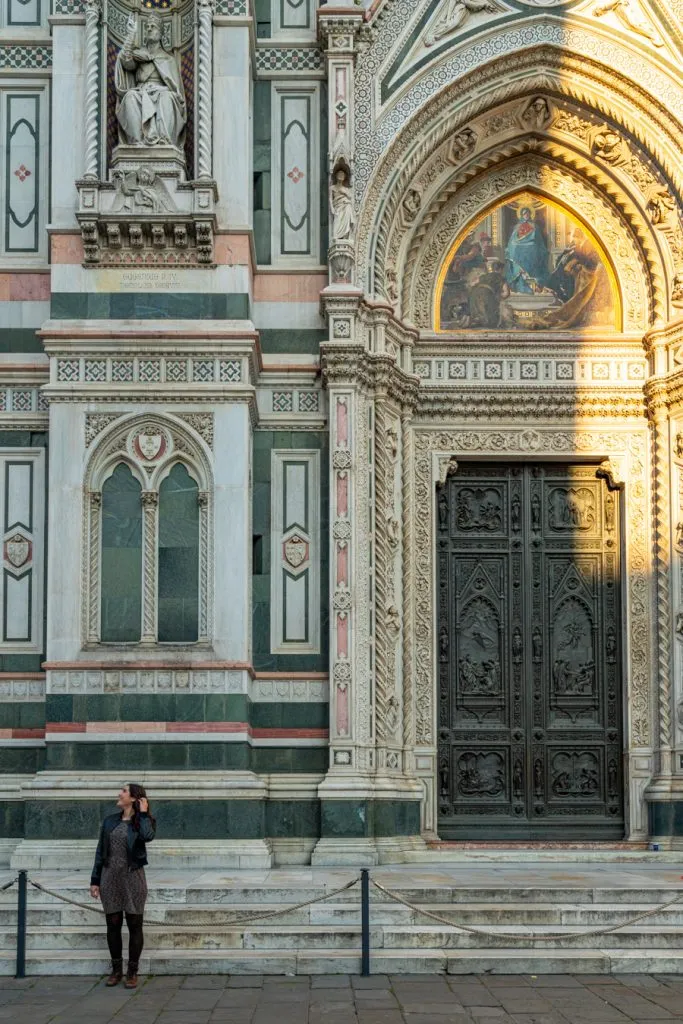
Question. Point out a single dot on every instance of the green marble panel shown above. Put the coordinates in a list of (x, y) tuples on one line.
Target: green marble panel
[(290, 715), (275, 340), (666, 818), (356, 819), (59, 707), (11, 819), (21, 760), (22, 714), (149, 306), (289, 759), (66, 819), (20, 339), (292, 819)]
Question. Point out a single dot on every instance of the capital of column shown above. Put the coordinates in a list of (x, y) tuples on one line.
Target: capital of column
[(340, 24)]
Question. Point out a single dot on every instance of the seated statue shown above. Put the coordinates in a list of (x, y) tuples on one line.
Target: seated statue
[(151, 108)]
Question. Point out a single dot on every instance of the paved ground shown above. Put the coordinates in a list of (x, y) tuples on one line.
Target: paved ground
[(399, 999)]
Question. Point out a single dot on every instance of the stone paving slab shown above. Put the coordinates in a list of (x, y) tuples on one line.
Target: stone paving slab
[(380, 999)]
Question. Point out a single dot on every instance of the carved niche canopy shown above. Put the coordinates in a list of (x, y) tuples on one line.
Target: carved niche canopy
[(151, 199), (527, 264)]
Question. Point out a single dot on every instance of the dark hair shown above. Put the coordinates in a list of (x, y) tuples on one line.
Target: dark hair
[(137, 792)]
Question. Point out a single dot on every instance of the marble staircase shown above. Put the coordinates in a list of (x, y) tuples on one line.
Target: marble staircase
[(190, 922)]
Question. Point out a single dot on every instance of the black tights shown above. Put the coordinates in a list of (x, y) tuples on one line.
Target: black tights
[(135, 936)]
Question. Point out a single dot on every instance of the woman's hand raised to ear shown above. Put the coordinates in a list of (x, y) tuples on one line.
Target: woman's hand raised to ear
[(144, 805)]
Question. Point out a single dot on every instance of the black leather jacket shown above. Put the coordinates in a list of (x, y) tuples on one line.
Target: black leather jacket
[(137, 849)]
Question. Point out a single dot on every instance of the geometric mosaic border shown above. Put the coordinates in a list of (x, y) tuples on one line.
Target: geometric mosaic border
[(140, 370)]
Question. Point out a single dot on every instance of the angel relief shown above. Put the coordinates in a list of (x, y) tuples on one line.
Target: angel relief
[(527, 265)]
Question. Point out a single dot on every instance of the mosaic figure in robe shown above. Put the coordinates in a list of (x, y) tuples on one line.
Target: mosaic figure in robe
[(151, 108), (527, 255)]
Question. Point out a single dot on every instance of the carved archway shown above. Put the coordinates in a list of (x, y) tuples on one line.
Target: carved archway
[(459, 135)]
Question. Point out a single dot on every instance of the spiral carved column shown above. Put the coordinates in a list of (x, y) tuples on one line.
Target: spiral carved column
[(94, 528), (93, 10), (662, 538), (205, 9), (407, 515), (203, 499), (150, 502)]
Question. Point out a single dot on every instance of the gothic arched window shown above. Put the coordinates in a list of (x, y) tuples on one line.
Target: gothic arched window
[(178, 544), (148, 537), (121, 558)]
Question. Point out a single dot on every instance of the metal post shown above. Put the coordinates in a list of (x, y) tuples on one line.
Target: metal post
[(21, 927), (365, 921)]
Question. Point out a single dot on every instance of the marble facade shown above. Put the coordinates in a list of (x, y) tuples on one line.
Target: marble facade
[(258, 299)]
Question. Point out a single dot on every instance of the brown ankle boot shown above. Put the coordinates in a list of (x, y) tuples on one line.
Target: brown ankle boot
[(116, 973), (131, 975)]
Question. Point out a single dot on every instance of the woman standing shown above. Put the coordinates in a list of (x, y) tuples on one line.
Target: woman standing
[(118, 878)]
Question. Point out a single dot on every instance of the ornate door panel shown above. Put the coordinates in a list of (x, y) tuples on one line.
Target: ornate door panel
[(529, 668)]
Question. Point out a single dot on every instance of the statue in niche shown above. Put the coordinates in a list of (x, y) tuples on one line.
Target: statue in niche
[(677, 291), (537, 113), (661, 205), (341, 205), (455, 13), (412, 201), (609, 146), (462, 145), (151, 108)]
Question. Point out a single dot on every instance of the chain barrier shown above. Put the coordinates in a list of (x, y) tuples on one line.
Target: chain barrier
[(242, 919), (528, 936), (251, 918)]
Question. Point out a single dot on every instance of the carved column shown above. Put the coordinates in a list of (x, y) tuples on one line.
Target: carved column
[(205, 11), (94, 556), (339, 32), (407, 513), (204, 566), (659, 423), (93, 10), (150, 504)]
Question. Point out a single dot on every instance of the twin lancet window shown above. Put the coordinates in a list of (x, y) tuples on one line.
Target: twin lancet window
[(149, 490), (176, 509)]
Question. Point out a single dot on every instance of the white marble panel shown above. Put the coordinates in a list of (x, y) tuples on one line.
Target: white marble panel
[(295, 595), (293, 19), (295, 494), (232, 146), (70, 277), (68, 64), (19, 484), (17, 625), (233, 533), (23, 314), (65, 531), (295, 551), (301, 315), (295, 226)]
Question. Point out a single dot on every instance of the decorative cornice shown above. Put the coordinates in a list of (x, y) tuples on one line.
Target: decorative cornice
[(375, 374), (519, 404)]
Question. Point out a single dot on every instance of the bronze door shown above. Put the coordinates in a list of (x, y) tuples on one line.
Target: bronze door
[(530, 718)]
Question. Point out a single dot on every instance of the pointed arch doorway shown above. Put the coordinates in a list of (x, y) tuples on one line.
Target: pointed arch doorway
[(529, 630)]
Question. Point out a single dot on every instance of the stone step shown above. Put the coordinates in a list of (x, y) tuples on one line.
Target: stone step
[(434, 936), (416, 937), (334, 914), (394, 961), (230, 893)]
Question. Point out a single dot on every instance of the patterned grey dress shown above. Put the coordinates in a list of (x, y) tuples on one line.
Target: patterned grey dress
[(121, 890)]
